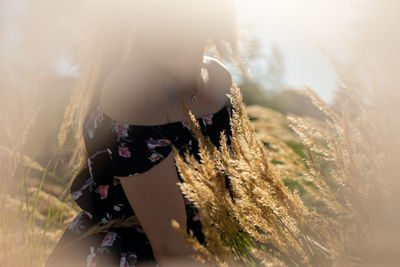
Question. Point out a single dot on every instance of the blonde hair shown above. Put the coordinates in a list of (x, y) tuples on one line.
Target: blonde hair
[(108, 38)]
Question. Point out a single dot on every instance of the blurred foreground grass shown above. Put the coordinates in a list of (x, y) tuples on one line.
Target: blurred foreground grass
[(36, 208), (326, 171)]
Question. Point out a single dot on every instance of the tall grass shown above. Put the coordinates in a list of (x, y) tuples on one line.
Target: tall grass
[(360, 141), (31, 218), (265, 221), (327, 209), (267, 224)]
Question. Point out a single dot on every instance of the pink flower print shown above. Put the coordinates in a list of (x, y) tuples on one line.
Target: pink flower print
[(123, 262), (121, 129), (207, 120), (132, 257), (196, 217), (124, 152), (155, 156), (109, 239), (153, 143), (103, 191), (127, 258), (90, 258)]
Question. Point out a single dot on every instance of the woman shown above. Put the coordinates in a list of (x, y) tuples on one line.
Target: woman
[(132, 118)]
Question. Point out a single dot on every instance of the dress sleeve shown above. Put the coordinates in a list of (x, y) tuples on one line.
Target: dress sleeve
[(133, 150)]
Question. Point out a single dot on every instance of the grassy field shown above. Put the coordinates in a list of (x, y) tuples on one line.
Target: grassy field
[(303, 190)]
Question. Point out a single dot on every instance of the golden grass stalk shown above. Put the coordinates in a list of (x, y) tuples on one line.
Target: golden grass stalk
[(30, 219), (357, 183), (264, 215)]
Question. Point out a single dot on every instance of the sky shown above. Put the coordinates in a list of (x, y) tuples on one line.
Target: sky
[(302, 30), (306, 32)]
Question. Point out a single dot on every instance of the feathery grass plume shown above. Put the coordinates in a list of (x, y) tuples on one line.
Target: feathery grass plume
[(311, 137), (332, 143), (18, 116), (353, 184), (323, 143), (263, 214), (285, 152), (30, 218)]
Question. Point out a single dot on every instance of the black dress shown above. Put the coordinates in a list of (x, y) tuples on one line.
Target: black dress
[(120, 149)]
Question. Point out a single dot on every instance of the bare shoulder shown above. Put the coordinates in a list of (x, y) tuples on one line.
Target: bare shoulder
[(220, 77)]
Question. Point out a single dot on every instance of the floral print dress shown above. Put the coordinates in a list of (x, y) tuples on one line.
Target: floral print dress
[(120, 149)]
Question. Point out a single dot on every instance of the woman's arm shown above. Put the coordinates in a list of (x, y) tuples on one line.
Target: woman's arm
[(156, 199), (153, 195)]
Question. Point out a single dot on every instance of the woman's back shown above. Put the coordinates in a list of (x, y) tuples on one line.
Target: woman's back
[(131, 172)]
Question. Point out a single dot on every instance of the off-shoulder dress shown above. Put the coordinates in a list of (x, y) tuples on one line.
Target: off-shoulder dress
[(120, 149)]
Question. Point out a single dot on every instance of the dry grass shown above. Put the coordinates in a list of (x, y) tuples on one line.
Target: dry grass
[(266, 218), (320, 210), (347, 160), (31, 219)]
